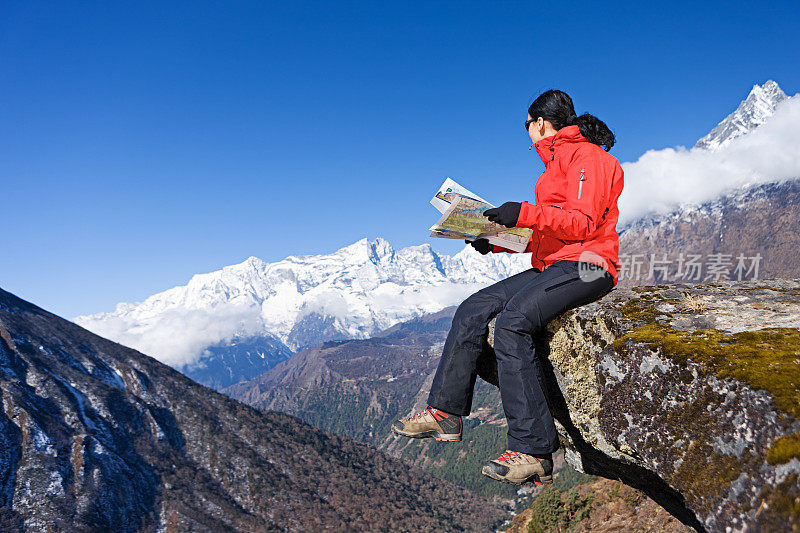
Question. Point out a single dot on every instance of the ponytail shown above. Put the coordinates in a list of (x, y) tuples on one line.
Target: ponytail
[(556, 107), (595, 131)]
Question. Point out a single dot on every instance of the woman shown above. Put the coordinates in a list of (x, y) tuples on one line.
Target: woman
[(575, 260)]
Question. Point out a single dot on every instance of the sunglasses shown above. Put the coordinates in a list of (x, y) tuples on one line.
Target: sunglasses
[(528, 123)]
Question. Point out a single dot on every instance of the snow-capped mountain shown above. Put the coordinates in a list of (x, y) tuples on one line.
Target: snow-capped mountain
[(240, 321), (735, 195), (754, 111), (352, 293), (756, 144)]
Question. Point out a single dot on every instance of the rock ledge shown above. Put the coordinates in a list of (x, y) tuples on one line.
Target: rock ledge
[(689, 393)]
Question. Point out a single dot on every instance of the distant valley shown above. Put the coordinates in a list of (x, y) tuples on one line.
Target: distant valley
[(99, 437), (359, 388)]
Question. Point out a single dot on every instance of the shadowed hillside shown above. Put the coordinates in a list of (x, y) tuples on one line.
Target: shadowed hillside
[(359, 388), (96, 436)]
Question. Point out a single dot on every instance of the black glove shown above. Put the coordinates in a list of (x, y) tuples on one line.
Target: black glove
[(482, 245), (505, 215)]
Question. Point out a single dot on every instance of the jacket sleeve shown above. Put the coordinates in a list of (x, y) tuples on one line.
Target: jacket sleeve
[(499, 249), (588, 185)]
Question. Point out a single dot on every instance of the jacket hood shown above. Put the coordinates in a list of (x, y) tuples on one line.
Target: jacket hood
[(546, 148)]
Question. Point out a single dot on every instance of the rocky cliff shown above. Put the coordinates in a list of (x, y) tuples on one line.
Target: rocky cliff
[(98, 437), (750, 233), (689, 393)]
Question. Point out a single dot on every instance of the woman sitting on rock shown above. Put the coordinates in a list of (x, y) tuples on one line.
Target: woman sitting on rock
[(575, 259)]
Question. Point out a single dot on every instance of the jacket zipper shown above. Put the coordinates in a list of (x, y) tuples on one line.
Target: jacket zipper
[(580, 186)]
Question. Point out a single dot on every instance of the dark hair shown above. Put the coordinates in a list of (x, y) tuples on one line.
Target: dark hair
[(556, 107)]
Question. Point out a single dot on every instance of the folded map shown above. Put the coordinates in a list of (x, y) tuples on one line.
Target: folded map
[(462, 218)]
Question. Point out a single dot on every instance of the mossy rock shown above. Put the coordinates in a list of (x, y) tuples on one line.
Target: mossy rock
[(690, 393), (767, 359)]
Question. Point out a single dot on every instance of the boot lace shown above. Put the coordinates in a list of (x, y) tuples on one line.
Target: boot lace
[(508, 455), (421, 414)]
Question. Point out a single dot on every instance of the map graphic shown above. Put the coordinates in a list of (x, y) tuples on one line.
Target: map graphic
[(462, 218)]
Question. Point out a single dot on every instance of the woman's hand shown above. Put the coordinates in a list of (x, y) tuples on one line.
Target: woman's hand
[(482, 245), (505, 215)]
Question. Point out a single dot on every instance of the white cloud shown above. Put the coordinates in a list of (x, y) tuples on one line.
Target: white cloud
[(662, 179), (427, 300), (325, 303), (178, 337)]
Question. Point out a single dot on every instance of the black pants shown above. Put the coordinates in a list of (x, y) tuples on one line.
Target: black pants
[(523, 303)]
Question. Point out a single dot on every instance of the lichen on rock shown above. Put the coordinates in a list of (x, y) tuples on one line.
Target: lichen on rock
[(689, 393)]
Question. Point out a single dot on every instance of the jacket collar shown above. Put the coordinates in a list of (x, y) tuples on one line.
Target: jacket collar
[(547, 147)]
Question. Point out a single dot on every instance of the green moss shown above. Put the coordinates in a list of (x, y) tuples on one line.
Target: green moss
[(706, 473), (693, 415), (639, 309), (783, 501), (783, 290), (648, 289), (784, 449), (767, 359)]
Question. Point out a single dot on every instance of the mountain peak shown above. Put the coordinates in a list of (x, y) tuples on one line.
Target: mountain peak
[(754, 110), (366, 250), (770, 90), (381, 248), (252, 262), (353, 292)]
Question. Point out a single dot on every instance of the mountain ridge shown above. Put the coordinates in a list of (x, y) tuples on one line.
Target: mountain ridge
[(359, 387), (97, 436), (759, 224), (354, 292)]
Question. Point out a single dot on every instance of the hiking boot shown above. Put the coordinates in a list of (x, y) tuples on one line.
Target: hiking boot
[(518, 468), (430, 422)]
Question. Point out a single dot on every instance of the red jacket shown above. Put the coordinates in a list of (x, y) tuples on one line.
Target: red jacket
[(575, 214)]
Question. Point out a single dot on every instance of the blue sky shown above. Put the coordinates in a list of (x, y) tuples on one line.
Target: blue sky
[(141, 143)]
